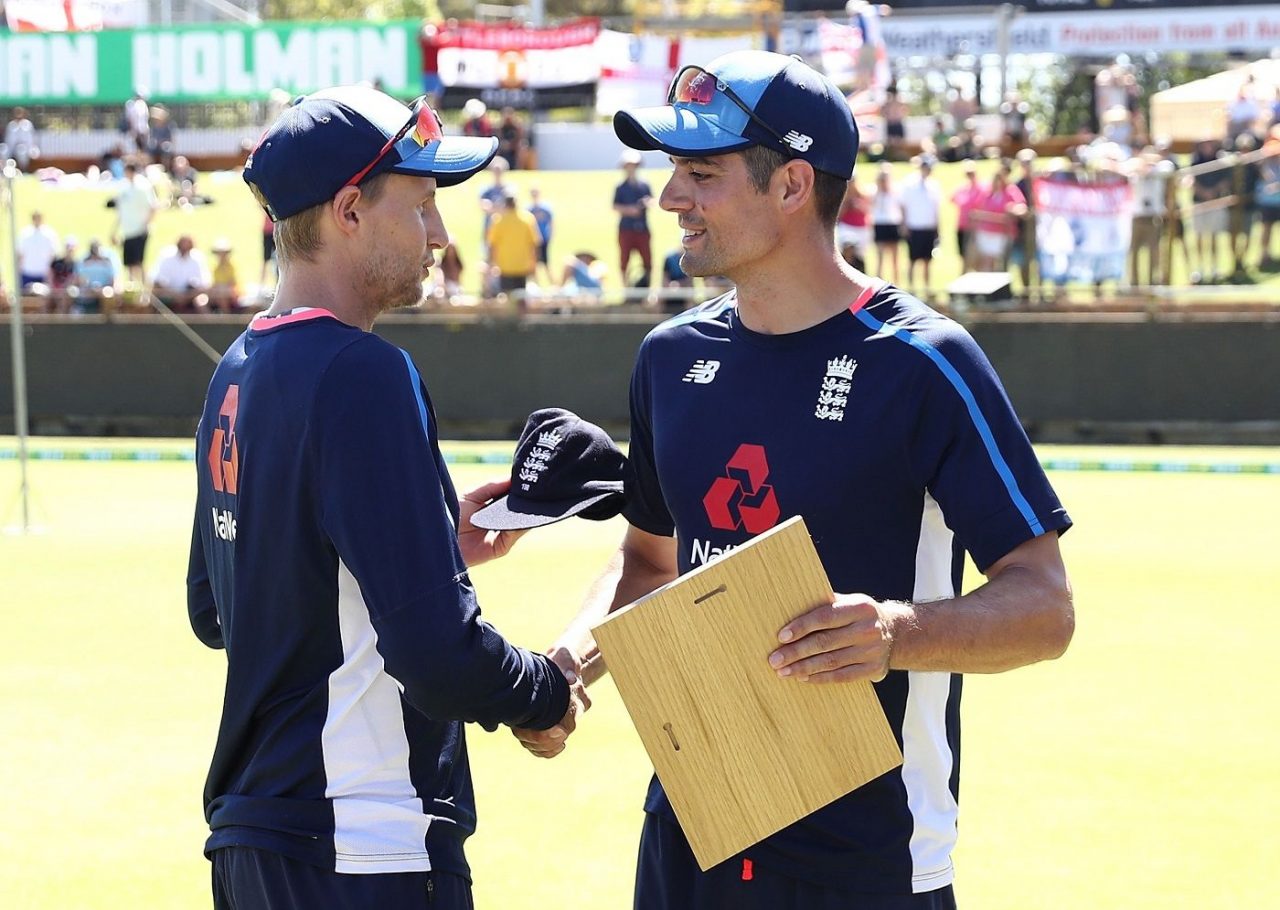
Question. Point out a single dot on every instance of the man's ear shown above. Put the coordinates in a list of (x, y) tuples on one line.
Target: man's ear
[(794, 181), (345, 209)]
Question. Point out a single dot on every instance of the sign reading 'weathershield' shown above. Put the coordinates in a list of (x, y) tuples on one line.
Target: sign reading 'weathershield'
[(206, 63)]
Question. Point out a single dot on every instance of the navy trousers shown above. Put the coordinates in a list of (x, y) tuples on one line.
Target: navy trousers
[(249, 879), (668, 878)]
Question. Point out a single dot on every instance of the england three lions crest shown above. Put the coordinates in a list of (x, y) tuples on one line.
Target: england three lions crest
[(833, 395)]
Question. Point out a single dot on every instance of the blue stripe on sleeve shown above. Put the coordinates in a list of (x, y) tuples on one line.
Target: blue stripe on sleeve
[(971, 403), (417, 393)]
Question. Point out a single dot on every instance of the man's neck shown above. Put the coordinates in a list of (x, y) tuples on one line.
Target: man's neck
[(779, 301), (306, 285)]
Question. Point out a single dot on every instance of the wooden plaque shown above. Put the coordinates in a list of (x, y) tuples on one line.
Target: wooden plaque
[(741, 752)]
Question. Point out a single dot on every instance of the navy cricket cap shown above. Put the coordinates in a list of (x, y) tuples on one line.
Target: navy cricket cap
[(786, 105), (563, 466), (324, 140)]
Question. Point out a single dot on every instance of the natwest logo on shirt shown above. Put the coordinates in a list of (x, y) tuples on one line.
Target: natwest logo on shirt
[(741, 500), (224, 458)]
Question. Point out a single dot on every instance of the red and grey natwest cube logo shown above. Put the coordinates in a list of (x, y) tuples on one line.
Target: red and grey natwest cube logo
[(741, 499)]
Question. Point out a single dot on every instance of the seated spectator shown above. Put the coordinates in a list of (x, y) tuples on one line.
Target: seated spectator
[(475, 118), (111, 164), (97, 274), (583, 276), (224, 294), (511, 138), (181, 279), (64, 282), (20, 140), (182, 177), (446, 285)]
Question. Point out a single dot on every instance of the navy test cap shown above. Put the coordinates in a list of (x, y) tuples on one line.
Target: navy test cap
[(342, 135), (563, 466), (749, 98)]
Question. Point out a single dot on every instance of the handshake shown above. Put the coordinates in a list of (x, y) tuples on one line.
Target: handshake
[(551, 742)]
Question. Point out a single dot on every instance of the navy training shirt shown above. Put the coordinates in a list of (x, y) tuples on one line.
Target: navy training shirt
[(887, 429), (324, 559)]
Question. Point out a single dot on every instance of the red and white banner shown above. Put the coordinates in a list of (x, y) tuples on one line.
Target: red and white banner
[(478, 55), (73, 15), (1083, 226)]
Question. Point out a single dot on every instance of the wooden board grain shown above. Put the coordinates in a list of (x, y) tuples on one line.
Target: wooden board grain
[(740, 752)]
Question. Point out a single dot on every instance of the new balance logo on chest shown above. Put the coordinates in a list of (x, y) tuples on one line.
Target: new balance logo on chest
[(702, 372)]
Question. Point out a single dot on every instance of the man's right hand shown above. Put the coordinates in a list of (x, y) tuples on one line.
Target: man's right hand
[(551, 742)]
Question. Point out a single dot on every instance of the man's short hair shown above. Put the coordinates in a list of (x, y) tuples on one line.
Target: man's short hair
[(828, 189), (298, 236)]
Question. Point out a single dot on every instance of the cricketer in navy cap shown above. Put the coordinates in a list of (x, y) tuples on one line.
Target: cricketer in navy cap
[(344, 135), (749, 98)]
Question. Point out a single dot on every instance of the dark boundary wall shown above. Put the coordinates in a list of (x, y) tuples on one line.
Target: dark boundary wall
[(1100, 379)]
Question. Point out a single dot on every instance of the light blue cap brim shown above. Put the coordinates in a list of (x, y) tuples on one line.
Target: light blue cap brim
[(450, 160), (676, 131)]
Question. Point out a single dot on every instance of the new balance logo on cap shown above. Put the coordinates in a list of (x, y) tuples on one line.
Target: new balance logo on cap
[(702, 372), (798, 141)]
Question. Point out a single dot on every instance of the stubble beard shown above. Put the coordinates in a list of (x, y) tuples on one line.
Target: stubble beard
[(390, 283)]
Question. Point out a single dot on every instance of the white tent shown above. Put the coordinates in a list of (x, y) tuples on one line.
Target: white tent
[(1199, 109)]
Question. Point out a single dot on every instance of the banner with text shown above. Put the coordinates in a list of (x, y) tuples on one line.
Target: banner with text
[(206, 63), (520, 66), (1083, 226), (1089, 33)]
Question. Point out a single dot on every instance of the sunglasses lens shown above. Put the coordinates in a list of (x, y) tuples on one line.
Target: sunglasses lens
[(694, 86), (427, 127)]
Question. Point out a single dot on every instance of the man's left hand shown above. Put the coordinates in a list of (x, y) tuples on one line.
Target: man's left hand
[(850, 638), (478, 544)]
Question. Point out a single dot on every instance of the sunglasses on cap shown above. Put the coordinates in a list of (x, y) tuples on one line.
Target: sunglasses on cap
[(697, 87), (425, 125)]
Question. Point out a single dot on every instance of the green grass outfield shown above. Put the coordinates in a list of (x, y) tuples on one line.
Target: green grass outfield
[(1137, 772)]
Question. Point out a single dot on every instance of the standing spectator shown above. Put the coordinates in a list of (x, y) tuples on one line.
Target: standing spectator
[(135, 206), (921, 202), (512, 138), (1267, 199), (135, 123), (853, 231), (1110, 90), (995, 223), (475, 119), (1243, 113), (448, 274), (20, 140), (160, 145), (97, 274), (1022, 251), (1211, 224), (513, 247), (430, 39), (886, 224), (224, 292), (895, 126), (1242, 215), (37, 248), (181, 280), (492, 196), (1149, 173), (966, 199), (631, 200), (543, 217)]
